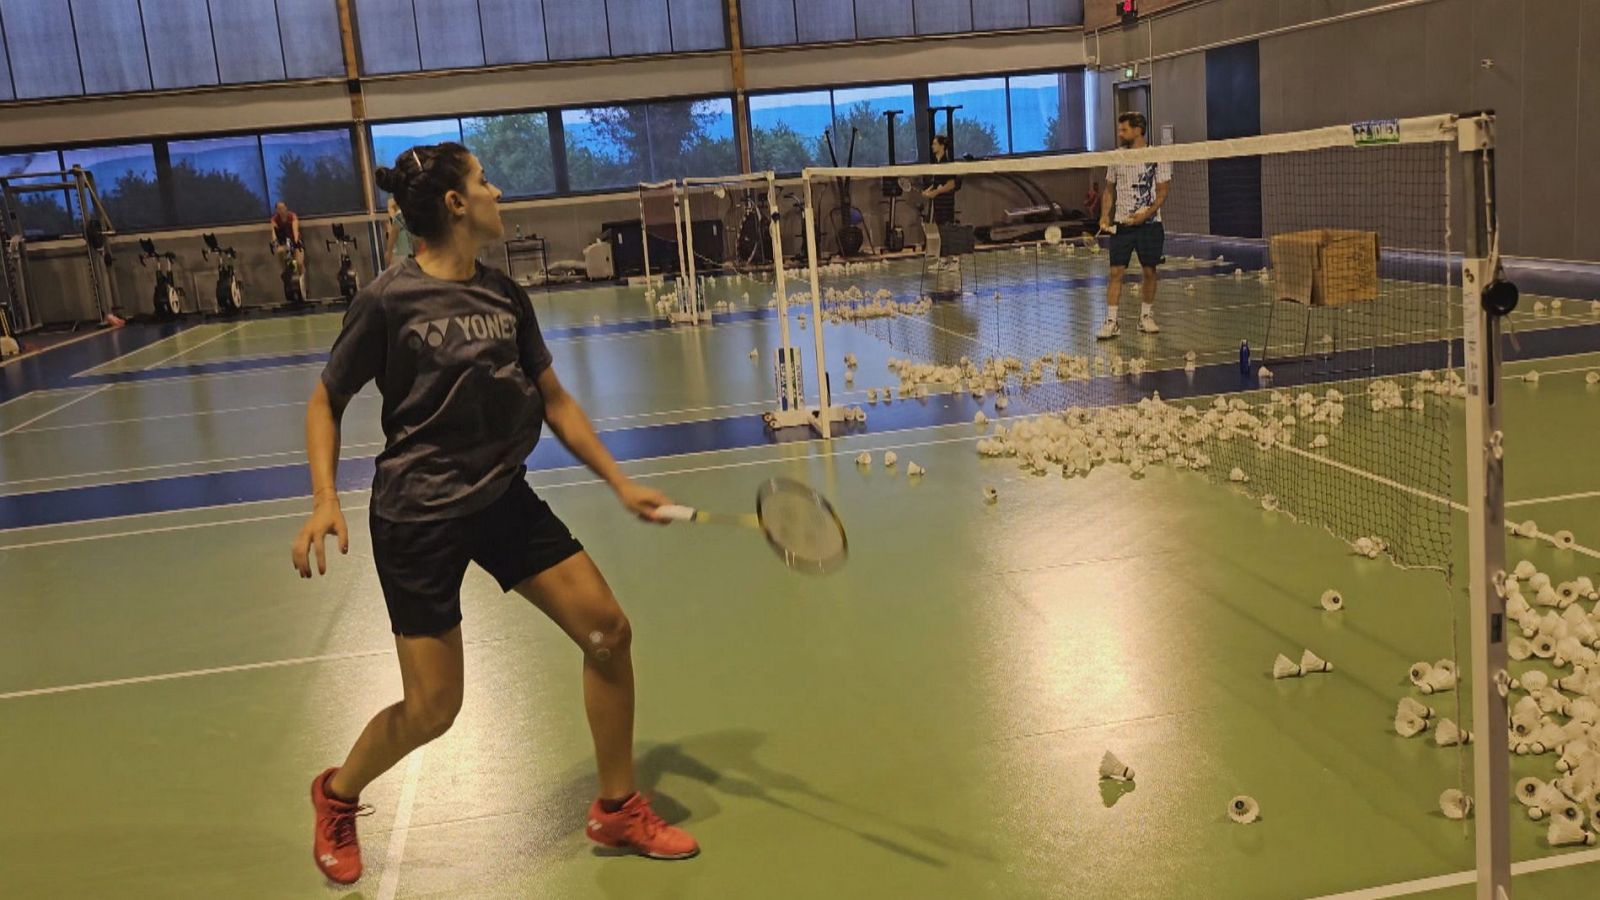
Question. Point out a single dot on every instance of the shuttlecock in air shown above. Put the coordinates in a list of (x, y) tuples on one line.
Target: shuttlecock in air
[(890, 458), (864, 459), (1112, 768), (1284, 667), (1244, 810), (915, 471), (990, 495), (1455, 804), (1332, 601), (1310, 662), (1448, 734)]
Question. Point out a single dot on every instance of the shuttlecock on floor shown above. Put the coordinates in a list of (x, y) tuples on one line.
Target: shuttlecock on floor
[(1566, 833), (872, 395), (1419, 673), (1526, 529), (1237, 476), (1001, 402), (1284, 667), (1544, 646), (1539, 307), (1519, 648), (1555, 306), (1531, 375), (1332, 601), (1112, 768), (755, 354), (1538, 581), (1407, 725), (915, 471), (864, 458), (849, 374), (1310, 662), (1438, 681), (1525, 570), (1408, 706), (1191, 356), (1530, 791), (1264, 373), (1448, 734), (850, 360), (1563, 539), (1592, 378), (1319, 441), (1455, 804), (1269, 503), (980, 419), (1188, 288), (890, 458), (1244, 810), (990, 495)]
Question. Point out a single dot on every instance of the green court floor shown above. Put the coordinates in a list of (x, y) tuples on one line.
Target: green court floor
[(925, 723)]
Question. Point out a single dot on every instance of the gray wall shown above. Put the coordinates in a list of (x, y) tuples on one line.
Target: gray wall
[(1544, 84)]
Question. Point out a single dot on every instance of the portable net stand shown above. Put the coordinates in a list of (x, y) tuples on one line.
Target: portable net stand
[(1333, 254), (666, 257), (732, 233)]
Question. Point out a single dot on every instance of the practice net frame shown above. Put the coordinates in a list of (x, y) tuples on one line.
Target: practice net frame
[(1384, 236), (661, 222)]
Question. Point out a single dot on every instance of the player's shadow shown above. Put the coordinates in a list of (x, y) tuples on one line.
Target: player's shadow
[(725, 763)]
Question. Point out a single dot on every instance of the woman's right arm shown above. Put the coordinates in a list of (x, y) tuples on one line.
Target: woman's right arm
[(323, 413)]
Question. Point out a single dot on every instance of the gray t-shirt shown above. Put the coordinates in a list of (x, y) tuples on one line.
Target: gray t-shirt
[(456, 363)]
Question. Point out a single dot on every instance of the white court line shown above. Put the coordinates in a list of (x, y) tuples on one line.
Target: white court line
[(1440, 882), (193, 673), (43, 350), (53, 411), (278, 454), (1558, 498), (185, 352), (94, 370), (43, 391), (390, 882)]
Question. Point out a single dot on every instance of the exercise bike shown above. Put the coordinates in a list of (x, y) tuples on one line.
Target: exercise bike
[(167, 297), (294, 277), (230, 292), (349, 283)]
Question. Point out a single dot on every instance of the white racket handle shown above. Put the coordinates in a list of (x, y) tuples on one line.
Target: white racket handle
[(674, 513)]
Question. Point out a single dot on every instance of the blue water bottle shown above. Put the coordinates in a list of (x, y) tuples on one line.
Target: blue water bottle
[(1244, 357)]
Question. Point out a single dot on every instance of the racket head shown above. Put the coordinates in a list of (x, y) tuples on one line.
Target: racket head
[(801, 526)]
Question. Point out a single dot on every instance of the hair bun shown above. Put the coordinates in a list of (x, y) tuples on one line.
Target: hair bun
[(389, 179)]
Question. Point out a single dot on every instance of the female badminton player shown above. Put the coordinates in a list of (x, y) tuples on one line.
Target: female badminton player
[(467, 387)]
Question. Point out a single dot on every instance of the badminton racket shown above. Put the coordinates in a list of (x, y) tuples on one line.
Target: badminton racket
[(800, 525)]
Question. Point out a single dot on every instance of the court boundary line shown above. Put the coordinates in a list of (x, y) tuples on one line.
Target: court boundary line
[(56, 346), (44, 415), (185, 352), (389, 882), (1460, 879)]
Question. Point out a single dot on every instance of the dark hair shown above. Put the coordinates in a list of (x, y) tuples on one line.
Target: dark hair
[(419, 180), (941, 139), (1134, 119)]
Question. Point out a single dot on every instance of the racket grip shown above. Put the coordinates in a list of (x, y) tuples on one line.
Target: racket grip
[(674, 513)]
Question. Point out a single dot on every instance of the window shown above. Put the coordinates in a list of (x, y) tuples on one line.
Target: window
[(981, 126), (312, 171), (884, 18), (449, 33), (1047, 113), (6, 91), (575, 29), (786, 130), (126, 180), (863, 109), (218, 180), (312, 45), (515, 152), (111, 62), (42, 49), (41, 214), (513, 31), (388, 30), (945, 16), (620, 146), (698, 25), (395, 138), (246, 35), (179, 35)]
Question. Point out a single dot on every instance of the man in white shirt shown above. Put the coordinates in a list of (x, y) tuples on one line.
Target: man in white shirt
[(1132, 216)]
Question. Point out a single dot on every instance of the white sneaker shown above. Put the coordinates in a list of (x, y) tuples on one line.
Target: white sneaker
[(1147, 324), (1108, 331)]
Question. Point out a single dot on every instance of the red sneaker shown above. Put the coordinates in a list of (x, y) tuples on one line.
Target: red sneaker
[(335, 848), (636, 827)]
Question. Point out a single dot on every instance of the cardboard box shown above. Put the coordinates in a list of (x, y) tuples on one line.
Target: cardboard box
[(1325, 267)]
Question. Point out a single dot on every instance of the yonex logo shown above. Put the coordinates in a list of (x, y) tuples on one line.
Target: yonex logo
[(328, 859), (436, 332)]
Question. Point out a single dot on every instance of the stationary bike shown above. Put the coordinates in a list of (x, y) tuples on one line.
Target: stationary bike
[(168, 297), (294, 278), (349, 284), (230, 292)]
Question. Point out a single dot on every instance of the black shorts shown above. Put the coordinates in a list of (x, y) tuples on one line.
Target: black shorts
[(421, 564), (1148, 240)]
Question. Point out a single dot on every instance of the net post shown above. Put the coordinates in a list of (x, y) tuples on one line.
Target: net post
[(644, 237), (1486, 530), (680, 199), (825, 406), (791, 399)]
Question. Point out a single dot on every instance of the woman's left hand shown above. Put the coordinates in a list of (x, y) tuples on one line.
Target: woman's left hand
[(642, 501)]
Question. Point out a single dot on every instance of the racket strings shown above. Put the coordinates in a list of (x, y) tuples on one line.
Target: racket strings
[(802, 525)]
